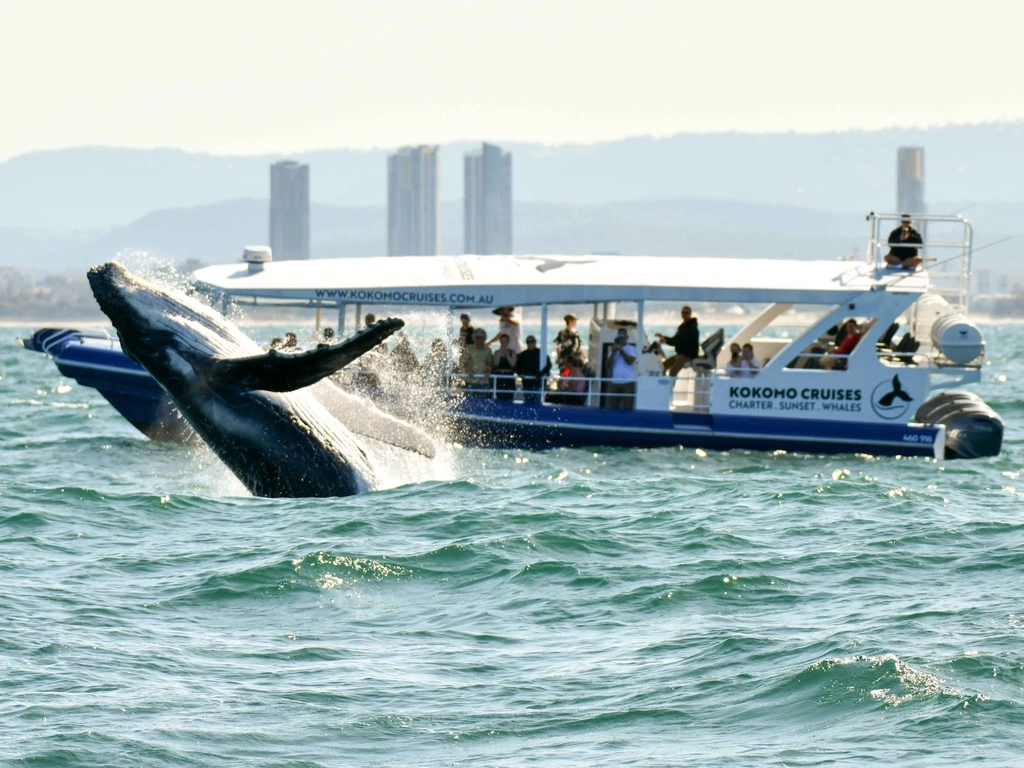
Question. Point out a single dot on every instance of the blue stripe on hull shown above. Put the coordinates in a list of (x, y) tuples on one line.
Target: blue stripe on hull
[(502, 424)]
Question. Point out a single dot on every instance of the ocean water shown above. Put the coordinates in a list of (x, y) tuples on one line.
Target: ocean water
[(667, 607)]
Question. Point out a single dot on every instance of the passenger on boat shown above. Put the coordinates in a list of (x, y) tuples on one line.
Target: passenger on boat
[(291, 342), (402, 358), (466, 330), (511, 325), (367, 378), (621, 357), (476, 362), (529, 369), (836, 360), (567, 342), (503, 368), (686, 342), (905, 256), (276, 343), (732, 368), (572, 385), (747, 367), (328, 335), (838, 332), (435, 365), (369, 320)]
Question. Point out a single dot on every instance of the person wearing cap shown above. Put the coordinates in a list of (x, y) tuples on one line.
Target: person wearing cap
[(509, 323), (477, 360), (901, 255), (686, 342), (567, 342), (621, 357), (529, 370)]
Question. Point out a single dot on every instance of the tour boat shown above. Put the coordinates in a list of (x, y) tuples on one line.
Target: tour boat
[(890, 395)]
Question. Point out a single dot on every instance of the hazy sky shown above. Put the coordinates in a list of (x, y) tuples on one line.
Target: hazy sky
[(227, 76)]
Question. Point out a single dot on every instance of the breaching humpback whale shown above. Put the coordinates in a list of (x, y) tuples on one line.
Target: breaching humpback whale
[(258, 411)]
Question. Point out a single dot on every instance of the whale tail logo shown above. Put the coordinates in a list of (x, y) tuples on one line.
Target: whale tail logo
[(897, 391), (890, 400)]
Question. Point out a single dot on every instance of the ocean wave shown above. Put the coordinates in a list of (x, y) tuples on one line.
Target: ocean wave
[(882, 680), (24, 521)]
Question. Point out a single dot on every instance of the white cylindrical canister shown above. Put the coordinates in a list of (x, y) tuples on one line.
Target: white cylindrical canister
[(957, 338)]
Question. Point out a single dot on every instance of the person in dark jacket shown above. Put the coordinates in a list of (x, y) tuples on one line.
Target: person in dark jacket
[(465, 330), (529, 370), (686, 342), (902, 255)]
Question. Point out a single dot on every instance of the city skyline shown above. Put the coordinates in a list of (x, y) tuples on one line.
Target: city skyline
[(388, 73)]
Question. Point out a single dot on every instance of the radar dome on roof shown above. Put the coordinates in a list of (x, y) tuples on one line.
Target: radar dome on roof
[(259, 254), (256, 256)]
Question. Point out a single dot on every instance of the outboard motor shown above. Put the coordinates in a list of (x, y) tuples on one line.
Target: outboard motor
[(973, 429)]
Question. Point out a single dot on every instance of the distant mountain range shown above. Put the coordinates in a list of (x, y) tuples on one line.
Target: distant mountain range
[(217, 232), (801, 196), (98, 188)]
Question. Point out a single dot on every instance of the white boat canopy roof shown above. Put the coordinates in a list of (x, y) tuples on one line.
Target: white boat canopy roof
[(491, 281)]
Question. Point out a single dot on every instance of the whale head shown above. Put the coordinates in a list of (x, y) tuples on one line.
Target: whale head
[(165, 331), (256, 410)]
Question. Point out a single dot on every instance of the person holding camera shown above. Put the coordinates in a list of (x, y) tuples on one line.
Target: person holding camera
[(902, 252), (621, 357)]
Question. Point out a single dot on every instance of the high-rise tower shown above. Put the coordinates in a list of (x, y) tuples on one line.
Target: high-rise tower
[(487, 205), (289, 210), (910, 180), (413, 225)]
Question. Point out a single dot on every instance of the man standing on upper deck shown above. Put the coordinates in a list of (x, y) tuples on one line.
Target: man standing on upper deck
[(899, 254), (686, 343)]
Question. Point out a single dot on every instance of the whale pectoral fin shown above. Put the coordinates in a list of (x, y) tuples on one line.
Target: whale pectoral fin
[(281, 372)]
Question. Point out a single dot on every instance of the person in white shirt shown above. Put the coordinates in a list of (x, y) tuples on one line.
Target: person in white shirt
[(621, 357), (509, 323), (747, 367)]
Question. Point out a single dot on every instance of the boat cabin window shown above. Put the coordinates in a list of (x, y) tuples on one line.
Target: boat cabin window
[(831, 351)]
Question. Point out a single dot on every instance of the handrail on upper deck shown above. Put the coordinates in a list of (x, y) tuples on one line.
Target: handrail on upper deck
[(953, 285)]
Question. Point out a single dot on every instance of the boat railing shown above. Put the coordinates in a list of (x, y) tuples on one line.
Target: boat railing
[(946, 250), (688, 392), (550, 390)]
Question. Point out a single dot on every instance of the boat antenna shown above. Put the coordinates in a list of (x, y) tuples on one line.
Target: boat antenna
[(989, 245)]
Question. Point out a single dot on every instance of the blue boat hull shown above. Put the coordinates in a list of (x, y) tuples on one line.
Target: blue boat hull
[(502, 424), (98, 362)]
